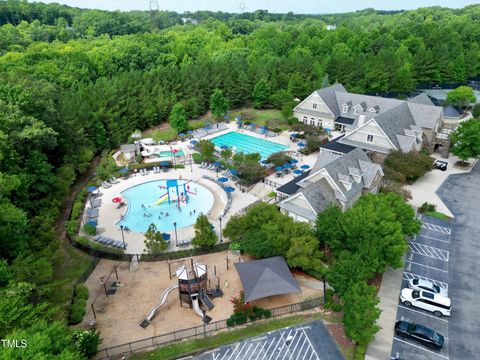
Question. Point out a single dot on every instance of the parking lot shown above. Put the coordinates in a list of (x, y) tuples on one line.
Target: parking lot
[(427, 258), (304, 342)]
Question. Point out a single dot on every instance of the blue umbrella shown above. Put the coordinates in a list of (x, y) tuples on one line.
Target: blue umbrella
[(233, 171), (190, 132), (166, 236), (222, 179), (264, 127), (223, 147), (92, 222), (217, 164), (298, 172), (264, 162), (293, 161), (194, 142), (91, 189), (301, 144), (305, 167), (229, 189), (181, 134), (287, 166), (294, 135), (278, 168), (164, 163), (123, 171)]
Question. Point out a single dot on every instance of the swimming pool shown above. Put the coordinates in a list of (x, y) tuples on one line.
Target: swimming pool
[(148, 203), (248, 144), (179, 153)]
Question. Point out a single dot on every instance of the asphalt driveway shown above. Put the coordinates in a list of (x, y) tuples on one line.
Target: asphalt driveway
[(461, 193)]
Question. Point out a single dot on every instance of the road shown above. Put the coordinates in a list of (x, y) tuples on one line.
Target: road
[(461, 193)]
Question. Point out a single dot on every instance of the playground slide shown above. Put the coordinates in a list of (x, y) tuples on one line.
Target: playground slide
[(196, 306), (163, 299), (162, 199)]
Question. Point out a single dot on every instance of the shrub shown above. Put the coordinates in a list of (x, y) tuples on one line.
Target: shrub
[(234, 246), (76, 311), (272, 194), (71, 227), (230, 322), (360, 352), (411, 165), (279, 158), (241, 319), (267, 314), (197, 158), (81, 292), (426, 207), (86, 342), (90, 229)]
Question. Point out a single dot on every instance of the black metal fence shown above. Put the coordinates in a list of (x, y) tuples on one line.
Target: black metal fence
[(120, 351)]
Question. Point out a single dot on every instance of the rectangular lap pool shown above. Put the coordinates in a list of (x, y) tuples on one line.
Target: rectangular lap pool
[(248, 144)]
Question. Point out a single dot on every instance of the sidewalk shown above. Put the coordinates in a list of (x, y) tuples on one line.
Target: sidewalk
[(380, 348)]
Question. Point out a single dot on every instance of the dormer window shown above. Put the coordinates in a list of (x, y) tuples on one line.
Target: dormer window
[(370, 138), (372, 110), (345, 108), (314, 106)]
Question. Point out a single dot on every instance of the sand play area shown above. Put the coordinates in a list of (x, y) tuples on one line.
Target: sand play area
[(118, 318)]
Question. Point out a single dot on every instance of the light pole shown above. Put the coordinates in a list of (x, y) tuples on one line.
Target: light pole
[(220, 220), (176, 236), (123, 238), (191, 163)]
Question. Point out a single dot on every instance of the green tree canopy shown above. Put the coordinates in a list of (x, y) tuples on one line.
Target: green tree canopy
[(261, 93), (360, 313), (154, 241), (461, 97), (205, 236), (178, 118), (466, 140), (218, 103), (206, 149)]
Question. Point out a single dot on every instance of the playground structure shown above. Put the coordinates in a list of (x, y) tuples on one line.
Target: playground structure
[(174, 193), (193, 292)]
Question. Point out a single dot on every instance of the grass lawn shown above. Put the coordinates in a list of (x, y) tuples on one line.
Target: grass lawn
[(187, 347), (167, 134), (436, 214), (270, 117), (72, 264)]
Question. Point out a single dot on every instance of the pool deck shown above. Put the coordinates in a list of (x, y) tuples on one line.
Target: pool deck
[(109, 215)]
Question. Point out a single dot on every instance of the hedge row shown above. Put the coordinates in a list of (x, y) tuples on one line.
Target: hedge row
[(77, 309), (256, 314)]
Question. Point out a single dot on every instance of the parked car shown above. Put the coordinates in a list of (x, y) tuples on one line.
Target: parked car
[(419, 333), (441, 165), (421, 284), (437, 304)]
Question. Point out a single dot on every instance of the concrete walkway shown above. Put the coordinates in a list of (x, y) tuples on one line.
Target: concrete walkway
[(381, 347)]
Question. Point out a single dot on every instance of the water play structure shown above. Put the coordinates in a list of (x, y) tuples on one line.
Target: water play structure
[(193, 292), (176, 193)]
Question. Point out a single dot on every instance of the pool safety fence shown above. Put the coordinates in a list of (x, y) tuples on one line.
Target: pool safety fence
[(127, 349)]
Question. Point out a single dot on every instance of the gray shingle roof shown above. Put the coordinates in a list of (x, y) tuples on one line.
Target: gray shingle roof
[(425, 116), (421, 99), (394, 121), (451, 112), (328, 95), (320, 194)]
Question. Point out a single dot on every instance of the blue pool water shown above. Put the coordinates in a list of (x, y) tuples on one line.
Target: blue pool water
[(199, 199), (248, 144), (179, 153)]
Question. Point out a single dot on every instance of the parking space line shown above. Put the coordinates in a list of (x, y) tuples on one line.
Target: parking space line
[(428, 251), (410, 276), (419, 312), (437, 228), (433, 238), (420, 347), (427, 266)]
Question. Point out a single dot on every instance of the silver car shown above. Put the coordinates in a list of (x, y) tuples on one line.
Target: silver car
[(421, 284)]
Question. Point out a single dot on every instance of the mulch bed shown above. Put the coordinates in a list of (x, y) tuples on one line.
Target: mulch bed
[(336, 330), (376, 281)]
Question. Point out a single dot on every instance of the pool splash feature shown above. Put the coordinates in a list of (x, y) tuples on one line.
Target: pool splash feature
[(169, 154), (155, 202), (248, 144)]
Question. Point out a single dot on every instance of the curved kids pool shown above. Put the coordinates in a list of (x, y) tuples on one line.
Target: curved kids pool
[(158, 202)]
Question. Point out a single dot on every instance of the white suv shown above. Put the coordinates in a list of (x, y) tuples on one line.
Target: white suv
[(421, 284), (435, 303)]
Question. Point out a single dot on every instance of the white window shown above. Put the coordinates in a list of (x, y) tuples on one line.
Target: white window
[(370, 138), (345, 108), (304, 119), (314, 106), (312, 121)]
